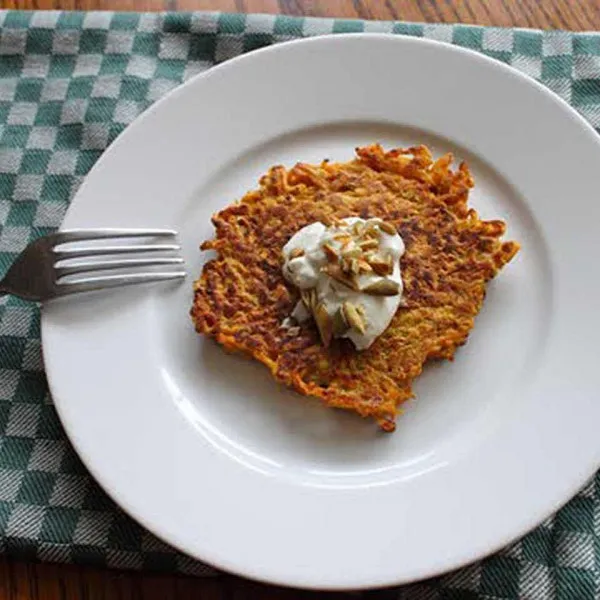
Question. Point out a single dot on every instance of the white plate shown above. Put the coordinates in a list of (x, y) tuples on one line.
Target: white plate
[(206, 451)]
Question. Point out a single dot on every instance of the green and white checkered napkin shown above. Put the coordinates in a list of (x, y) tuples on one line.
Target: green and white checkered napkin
[(69, 84)]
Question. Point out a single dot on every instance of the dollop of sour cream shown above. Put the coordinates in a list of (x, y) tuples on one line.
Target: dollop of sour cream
[(310, 255)]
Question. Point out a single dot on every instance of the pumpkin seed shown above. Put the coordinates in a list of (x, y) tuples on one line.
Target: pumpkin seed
[(358, 228), (354, 319), (296, 253), (345, 266), (309, 298), (354, 266), (343, 238), (370, 244), (353, 253), (380, 265), (330, 253), (371, 231), (387, 228), (324, 324), (339, 325), (382, 287), (364, 266), (336, 272)]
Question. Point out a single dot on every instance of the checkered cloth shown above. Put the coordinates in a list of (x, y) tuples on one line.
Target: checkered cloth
[(69, 84)]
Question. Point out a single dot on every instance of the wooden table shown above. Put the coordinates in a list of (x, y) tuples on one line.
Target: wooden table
[(22, 581), (575, 15)]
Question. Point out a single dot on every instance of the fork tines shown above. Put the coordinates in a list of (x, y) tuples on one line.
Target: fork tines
[(130, 269)]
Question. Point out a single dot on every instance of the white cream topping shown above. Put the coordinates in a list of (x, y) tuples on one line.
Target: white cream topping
[(305, 264)]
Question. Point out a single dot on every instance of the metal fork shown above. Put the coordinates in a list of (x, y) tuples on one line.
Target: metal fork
[(40, 273)]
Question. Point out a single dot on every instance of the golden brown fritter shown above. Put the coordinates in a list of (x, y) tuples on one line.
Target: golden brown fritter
[(241, 297)]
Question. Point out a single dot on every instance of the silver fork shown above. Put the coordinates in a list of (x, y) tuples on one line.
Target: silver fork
[(39, 272)]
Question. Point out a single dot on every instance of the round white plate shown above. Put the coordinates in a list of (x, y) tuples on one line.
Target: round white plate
[(210, 454)]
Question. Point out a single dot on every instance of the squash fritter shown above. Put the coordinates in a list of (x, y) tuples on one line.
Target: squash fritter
[(241, 297)]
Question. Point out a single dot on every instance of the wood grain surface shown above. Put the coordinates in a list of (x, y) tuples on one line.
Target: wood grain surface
[(27, 581), (545, 14)]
